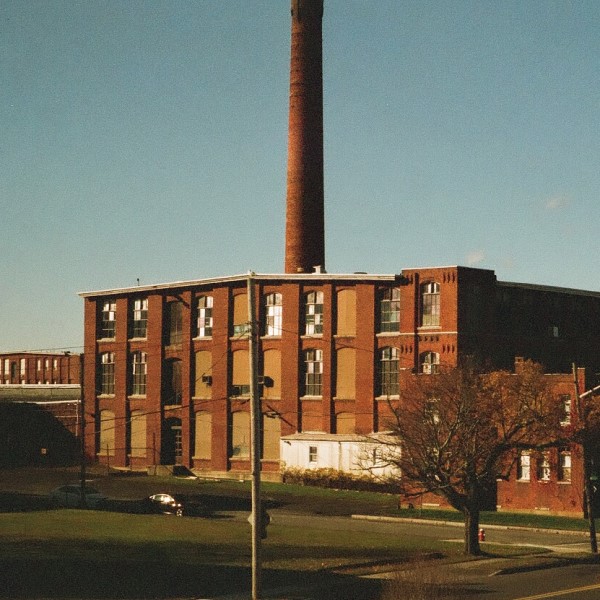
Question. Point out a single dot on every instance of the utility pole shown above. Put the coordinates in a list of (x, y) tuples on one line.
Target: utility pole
[(82, 474), (587, 482), (255, 420)]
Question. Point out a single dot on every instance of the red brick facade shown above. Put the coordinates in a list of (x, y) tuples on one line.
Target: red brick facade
[(38, 368), (186, 399)]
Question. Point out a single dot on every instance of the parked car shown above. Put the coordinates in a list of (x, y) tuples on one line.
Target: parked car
[(70, 496), (174, 504)]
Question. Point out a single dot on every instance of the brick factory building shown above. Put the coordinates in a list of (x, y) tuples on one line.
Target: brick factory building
[(167, 368), (167, 376)]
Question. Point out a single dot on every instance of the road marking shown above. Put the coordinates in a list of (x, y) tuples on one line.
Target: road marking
[(586, 588)]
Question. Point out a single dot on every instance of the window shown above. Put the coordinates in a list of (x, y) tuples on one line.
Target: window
[(137, 434), (313, 313), (106, 441), (203, 435), (240, 435), (312, 454), (564, 466), (139, 371), (543, 467), (430, 363), (566, 409), (273, 314), (432, 411), (139, 321), (345, 373), (270, 434), (39, 364), (203, 376), (524, 466), (107, 320), (205, 318), (241, 326), (23, 367), (174, 323), (388, 372), (172, 382), (346, 312), (107, 373), (240, 383), (389, 310), (430, 304), (313, 372), (55, 364)]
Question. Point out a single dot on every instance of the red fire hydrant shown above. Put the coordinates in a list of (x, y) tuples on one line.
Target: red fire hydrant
[(482, 535)]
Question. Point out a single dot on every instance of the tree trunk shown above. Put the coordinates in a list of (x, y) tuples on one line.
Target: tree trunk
[(472, 531)]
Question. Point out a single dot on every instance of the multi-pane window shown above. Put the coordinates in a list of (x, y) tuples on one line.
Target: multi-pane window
[(389, 372), (313, 372), (430, 363), (543, 467), (524, 466), (139, 318), (430, 304), (313, 315), (389, 310), (312, 454), (205, 318), (107, 373), (108, 319), (273, 314), (138, 372), (564, 465), (174, 323), (566, 409)]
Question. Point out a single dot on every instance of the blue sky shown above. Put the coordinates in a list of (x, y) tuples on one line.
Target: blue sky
[(148, 139)]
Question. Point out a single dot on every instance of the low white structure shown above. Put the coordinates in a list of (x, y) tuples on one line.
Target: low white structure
[(351, 453)]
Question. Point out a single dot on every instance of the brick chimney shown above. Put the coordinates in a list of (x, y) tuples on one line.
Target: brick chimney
[(305, 219)]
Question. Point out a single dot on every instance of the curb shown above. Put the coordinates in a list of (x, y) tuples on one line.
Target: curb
[(459, 524)]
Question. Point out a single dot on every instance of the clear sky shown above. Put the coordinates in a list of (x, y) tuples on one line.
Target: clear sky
[(148, 139)]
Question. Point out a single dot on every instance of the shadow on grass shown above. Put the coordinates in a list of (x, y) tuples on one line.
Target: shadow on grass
[(122, 578)]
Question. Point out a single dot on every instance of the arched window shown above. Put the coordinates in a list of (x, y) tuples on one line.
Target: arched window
[(389, 370), (430, 363), (240, 434), (273, 314), (203, 436), (313, 313), (389, 310), (107, 373), (138, 373), (430, 304), (107, 433), (205, 318), (137, 434), (313, 372)]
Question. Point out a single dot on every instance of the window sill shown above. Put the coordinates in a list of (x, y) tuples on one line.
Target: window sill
[(203, 337), (308, 397), (271, 337), (564, 482), (137, 339), (311, 336), (101, 340), (344, 335), (523, 480), (428, 327), (135, 396), (387, 333), (102, 396), (390, 397)]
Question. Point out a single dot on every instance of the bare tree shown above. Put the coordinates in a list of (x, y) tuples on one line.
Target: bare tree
[(457, 429)]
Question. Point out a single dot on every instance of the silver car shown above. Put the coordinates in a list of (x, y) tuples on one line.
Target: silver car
[(70, 496)]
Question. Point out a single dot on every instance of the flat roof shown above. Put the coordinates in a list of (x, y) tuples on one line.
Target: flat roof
[(322, 276), (256, 276)]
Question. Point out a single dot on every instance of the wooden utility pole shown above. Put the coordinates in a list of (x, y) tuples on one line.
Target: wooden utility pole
[(82, 474), (256, 517), (587, 482)]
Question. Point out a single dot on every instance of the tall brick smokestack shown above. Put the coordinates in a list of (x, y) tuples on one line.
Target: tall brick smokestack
[(305, 212)]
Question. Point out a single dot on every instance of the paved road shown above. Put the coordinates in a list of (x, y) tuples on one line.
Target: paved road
[(492, 579)]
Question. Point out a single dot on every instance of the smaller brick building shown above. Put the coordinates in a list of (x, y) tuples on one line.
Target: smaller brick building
[(39, 368)]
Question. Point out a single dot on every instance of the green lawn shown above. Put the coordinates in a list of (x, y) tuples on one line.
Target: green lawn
[(111, 554)]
